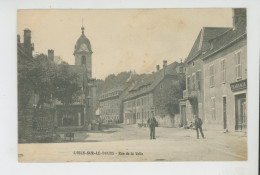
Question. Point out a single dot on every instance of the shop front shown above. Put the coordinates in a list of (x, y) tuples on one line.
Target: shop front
[(239, 90)]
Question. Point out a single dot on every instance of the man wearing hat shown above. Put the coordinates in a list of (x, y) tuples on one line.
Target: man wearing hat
[(198, 126)]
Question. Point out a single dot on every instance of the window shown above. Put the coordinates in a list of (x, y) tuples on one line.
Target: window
[(238, 65), (188, 83), (161, 85), (213, 111), (211, 73), (181, 69), (193, 81), (83, 60), (223, 71), (198, 80)]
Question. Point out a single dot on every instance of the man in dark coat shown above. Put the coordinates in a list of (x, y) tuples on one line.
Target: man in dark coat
[(152, 123), (198, 126)]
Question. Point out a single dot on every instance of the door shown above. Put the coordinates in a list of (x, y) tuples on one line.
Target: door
[(134, 118), (241, 113), (225, 112), (183, 115)]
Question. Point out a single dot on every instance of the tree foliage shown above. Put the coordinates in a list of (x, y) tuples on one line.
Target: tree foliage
[(168, 99), (50, 81)]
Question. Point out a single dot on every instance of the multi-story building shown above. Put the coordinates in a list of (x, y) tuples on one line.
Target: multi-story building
[(110, 105), (153, 96), (110, 101), (193, 97), (225, 77)]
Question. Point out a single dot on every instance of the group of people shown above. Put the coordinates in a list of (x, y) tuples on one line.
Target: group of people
[(152, 123)]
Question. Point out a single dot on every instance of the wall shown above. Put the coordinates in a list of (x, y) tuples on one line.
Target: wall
[(88, 56), (110, 110), (163, 99), (223, 89), (139, 108), (191, 69), (168, 120)]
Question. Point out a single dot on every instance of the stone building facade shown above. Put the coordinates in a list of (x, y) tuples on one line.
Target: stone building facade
[(225, 78), (110, 100), (216, 77), (151, 96), (110, 106), (193, 97)]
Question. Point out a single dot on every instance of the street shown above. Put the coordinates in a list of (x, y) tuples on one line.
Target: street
[(117, 144)]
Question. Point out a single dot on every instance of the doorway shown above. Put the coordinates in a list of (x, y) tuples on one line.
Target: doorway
[(241, 112), (183, 115), (225, 112)]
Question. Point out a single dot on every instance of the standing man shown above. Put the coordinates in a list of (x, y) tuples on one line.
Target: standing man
[(198, 126), (152, 123)]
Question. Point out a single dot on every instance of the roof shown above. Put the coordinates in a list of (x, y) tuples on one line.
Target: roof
[(202, 44), (148, 82), (116, 82), (83, 43), (226, 39)]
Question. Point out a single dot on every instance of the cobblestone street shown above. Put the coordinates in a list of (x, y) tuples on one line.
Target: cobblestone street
[(171, 144)]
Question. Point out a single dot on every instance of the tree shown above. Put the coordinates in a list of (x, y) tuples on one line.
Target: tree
[(168, 99), (25, 85), (66, 87), (50, 81)]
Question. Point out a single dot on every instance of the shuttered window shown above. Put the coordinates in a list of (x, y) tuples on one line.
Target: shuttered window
[(213, 109), (238, 65), (223, 71), (211, 73)]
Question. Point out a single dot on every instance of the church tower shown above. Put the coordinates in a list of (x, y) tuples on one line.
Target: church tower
[(83, 53)]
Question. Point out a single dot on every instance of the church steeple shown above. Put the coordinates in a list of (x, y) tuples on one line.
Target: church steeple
[(82, 28), (83, 52)]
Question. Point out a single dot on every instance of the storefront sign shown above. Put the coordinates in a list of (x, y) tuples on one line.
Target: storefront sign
[(238, 86)]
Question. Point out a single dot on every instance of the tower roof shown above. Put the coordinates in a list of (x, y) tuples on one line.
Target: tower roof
[(83, 43)]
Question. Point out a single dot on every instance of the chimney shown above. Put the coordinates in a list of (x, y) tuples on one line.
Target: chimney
[(157, 67), (164, 63), (28, 46), (27, 37), (18, 39), (51, 54), (239, 17)]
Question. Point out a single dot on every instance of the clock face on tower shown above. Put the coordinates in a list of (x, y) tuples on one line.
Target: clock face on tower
[(83, 47)]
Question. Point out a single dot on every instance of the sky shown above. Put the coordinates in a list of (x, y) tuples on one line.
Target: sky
[(121, 40)]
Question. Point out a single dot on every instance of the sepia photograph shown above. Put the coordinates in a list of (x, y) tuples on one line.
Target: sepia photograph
[(132, 85)]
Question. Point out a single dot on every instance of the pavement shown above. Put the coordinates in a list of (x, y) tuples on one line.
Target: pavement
[(131, 143)]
